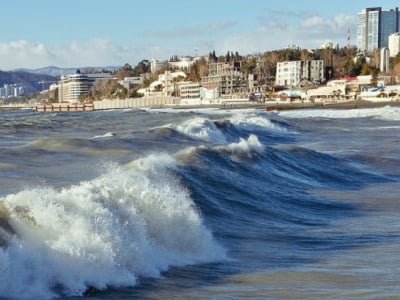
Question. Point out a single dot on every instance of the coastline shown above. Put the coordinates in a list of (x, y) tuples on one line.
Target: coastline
[(353, 104), (273, 106), (268, 106)]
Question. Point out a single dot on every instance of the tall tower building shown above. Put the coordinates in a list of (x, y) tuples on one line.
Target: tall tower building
[(374, 25)]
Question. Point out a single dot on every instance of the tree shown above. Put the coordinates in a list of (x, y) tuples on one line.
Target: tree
[(125, 71), (227, 57), (142, 67), (249, 65), (366, 69), (212, 58), (107, 88)]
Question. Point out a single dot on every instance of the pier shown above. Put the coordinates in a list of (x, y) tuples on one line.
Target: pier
[(63, 107)]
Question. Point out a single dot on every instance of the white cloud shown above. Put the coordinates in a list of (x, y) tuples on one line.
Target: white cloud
[(309, 31), (95, 52), (21, 54)]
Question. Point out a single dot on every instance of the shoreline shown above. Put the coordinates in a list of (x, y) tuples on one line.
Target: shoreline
[(353, 104), (268, 106)]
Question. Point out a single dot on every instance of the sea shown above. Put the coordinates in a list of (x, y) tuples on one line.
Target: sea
[(200, 204)]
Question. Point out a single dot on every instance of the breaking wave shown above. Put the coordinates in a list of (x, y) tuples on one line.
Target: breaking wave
[(135, 220)]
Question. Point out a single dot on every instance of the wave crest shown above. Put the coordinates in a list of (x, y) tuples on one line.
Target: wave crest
[(128, 222)]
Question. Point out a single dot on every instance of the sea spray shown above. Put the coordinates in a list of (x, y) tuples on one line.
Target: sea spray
[(244, 148), (135, 220), (200, 129), (387, 113)]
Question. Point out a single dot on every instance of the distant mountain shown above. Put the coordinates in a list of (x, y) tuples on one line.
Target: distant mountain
[(31, 82), (56, 71)]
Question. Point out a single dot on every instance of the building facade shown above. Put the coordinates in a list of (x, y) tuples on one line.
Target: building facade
[(72, 86), (374, 25), (189, 90), (291, 73), (384, 62), (157, 65), (226, 77), (11, 90), (394, 44)]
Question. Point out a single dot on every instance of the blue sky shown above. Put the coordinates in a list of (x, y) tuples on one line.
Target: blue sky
[(78, 33)]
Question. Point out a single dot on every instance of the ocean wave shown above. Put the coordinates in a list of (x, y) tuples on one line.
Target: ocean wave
[(244, 147), (200, 129), (135, 220), (255, 120)]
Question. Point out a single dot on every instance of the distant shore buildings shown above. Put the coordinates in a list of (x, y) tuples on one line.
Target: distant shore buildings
[(11, 90), (378, 33)]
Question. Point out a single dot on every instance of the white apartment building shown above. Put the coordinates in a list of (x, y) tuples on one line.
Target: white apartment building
[(394, 44), (183, 63), (291, 73), (189, 90), (156, 65), (131, 82)]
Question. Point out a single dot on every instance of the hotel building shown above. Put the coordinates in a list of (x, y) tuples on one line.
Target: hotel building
[(72, 86), (374, 25)]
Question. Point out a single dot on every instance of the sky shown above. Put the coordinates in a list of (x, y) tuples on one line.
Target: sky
[(83, 33)]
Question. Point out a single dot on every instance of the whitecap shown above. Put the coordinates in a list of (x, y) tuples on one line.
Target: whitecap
[(103, 136), (201, 129), (383, 113), (135, 220)]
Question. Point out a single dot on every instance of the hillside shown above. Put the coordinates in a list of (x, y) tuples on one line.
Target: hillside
[(32, 83)]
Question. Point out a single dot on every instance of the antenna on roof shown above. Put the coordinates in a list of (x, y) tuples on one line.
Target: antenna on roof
[(348, 39)]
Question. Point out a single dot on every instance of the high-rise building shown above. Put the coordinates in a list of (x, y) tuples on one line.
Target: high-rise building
[(374, 26)]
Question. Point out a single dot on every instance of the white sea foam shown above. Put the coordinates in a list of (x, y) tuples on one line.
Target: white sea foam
[(245, 147), (384, 113), (106, 135), (207, 110), (200, 129), (251, 119), (135, 220)]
